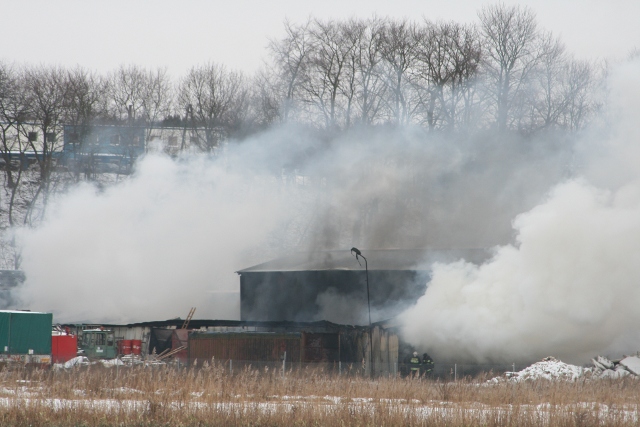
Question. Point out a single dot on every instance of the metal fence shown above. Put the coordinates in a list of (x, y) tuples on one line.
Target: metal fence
[(454, 371), (449, 371), (285, 367)]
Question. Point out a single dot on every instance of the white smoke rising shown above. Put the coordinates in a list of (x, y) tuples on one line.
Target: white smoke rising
[(149, 248), (570, 284), (352, 310), (171, 236)]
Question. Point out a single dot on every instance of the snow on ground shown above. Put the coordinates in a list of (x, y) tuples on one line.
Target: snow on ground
[(440, 409), (112, 362), (551, 369), (76, 361), (548, 368), (107, 363)]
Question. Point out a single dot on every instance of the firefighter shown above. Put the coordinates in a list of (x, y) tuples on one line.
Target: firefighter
[(427, 364), (414, 365)]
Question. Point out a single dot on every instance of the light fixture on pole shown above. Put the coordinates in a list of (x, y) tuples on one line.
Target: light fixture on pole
[(358, 254)]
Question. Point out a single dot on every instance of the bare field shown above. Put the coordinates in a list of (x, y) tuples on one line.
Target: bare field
[(210, 396)]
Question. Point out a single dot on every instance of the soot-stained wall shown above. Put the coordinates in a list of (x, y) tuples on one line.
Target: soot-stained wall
[(331, 285), (338, 296)]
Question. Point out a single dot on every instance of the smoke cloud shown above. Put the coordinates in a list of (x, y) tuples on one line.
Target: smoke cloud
[(569, 284), (150, 248), (172, 235)]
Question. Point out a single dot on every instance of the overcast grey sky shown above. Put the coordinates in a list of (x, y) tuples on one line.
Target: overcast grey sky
[(101, 35)]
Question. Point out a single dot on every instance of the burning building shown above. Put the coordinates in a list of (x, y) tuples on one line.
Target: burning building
[(243, 343), (332, 285)]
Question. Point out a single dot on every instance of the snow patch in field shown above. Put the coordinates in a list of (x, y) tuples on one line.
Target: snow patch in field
[(548, 368), (553, 369)]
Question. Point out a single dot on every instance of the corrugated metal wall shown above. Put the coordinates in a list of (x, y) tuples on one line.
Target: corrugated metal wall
[(248, 346), (349, 347)]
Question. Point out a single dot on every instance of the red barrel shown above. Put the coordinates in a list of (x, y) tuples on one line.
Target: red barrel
[(136, 347), (124, 347)]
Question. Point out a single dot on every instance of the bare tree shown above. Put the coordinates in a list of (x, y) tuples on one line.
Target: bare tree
[(558, 94), (399, 55), (353, 32), (125, 88), (157, 98), (86, 102), (547, 101), (139, 96), (46, 93), (363, 86), (331, 46), (449, 58), (467, 56), (512, 49), (217, 99), (580, 80), (86, 97), (265, 99), (291, 59), (13, 113)]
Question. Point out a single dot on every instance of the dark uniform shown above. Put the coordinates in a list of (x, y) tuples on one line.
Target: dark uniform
[(427, 364), (414, 365)]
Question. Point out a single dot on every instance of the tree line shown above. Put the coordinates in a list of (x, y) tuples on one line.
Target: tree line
[(503, 73)]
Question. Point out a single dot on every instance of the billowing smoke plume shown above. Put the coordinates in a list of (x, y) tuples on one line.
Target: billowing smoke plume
[(172, 235), (150, 248), (569, 285)]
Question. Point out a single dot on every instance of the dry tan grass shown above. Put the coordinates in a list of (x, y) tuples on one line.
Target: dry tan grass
[(210, 396)]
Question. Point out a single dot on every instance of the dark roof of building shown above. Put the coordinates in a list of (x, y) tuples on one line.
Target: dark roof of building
[(204, 323), (377, 260)]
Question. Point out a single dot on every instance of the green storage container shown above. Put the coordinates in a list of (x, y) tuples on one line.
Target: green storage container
[(25, 332)]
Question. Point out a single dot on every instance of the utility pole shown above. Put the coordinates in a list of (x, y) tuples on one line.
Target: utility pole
[(357, 253)]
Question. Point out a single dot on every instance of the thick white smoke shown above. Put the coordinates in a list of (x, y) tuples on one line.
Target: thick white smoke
[(150, 248), (172, 235), (570, 284)]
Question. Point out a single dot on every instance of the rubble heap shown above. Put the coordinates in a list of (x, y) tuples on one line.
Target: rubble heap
[(605, 368), (551, 368), (548, 368)]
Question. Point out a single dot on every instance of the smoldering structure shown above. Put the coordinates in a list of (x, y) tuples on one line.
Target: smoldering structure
[(282, 191), (307, 309), (238, 344), (332, 285)]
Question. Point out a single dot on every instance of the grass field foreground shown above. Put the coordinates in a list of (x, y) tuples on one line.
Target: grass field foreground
[(210, 396)]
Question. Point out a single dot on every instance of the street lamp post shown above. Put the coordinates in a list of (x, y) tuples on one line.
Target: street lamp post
[(358, 254)]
